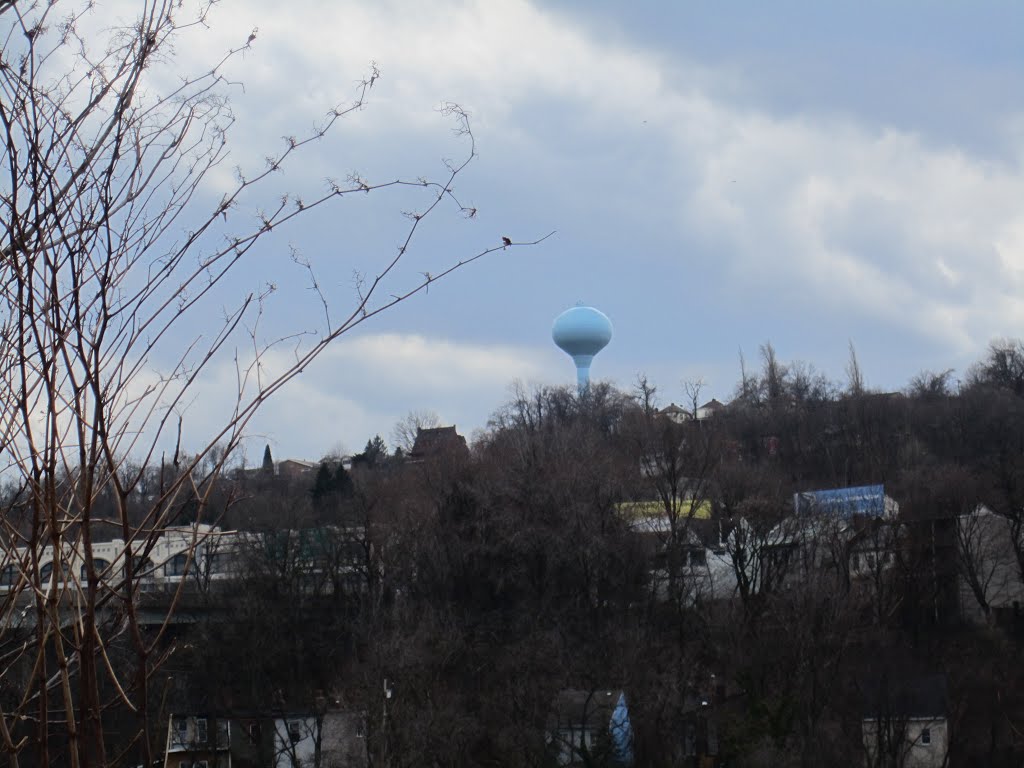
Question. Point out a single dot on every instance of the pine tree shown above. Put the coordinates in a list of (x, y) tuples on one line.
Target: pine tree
[(268, 461), (324, 484), (375, 452), (343, 482), (377, 449)]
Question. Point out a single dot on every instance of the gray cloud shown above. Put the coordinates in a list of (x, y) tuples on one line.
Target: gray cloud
[(699, 204)]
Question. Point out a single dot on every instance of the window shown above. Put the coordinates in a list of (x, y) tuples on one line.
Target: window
[(47, 571), (219, 563), (698, 557), (295, 730), (176, 565), (926, 736), (223, 736), (690, 740), (99, 564), (143, 567), (9, 576), (201, 734), (180, 732)]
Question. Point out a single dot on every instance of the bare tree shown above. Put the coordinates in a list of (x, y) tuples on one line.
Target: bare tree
[(931, 384), (746, 390), (775, 373), (854, 376), (404, 433), (1002, 367), (693, 388), (111, 253), (677, 463)]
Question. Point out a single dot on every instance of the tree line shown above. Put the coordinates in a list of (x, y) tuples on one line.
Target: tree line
[(480, 585)]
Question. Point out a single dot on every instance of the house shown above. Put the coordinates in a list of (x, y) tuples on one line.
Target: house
[(591, 728), (709, 409), (438, 442), (674, 413), (849, 532), (197, 741), (699, 730), (904, 723), (989, 584), (699, 555), (854, 527), (327, 738), (295, 468), (339, 738)]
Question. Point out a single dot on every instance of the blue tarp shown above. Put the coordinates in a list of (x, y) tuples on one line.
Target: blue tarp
[(842, 502), (622, 734)]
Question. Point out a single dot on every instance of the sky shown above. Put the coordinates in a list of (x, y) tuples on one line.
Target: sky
[(717, 176)]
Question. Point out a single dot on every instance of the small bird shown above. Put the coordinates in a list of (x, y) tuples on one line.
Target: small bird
[(507, 241)]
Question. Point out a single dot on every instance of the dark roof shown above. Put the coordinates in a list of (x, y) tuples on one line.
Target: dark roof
[(672, 408), (713, 404), (908, 697), (437, 440)]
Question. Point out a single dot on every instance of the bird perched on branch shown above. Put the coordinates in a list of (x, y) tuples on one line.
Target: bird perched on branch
[(507, 241)]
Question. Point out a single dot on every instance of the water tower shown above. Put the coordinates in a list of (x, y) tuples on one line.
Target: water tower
[(582, 332)]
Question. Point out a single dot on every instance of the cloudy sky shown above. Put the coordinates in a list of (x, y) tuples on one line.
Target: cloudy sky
[(718, 175)]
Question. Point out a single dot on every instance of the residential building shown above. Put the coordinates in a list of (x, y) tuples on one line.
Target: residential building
[(198, 741), (591, 728), (438, 442), (905, 723), (295, 468), (333, 739), (675, 413), (329, 738), (709, 409), (990, 582)]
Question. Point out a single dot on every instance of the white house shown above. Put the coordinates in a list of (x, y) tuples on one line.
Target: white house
[(990, 579), (905, 724), (338, 737)]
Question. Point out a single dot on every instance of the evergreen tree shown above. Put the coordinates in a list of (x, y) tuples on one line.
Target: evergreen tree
[(268, 461), (343, 482), (375, 452), (324, 484)]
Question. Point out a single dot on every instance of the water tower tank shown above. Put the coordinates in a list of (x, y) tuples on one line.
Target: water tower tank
[(582, 332)]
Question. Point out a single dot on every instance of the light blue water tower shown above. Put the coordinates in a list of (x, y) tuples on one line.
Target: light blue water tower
[(582, 332)]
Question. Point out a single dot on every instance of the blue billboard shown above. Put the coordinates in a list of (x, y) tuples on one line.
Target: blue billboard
[(868, 500)]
